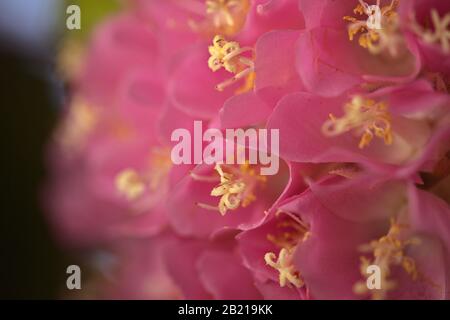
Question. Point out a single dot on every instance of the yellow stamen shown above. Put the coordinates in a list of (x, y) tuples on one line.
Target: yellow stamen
[(130, 184), (388, 251), (348, 171), (228, 55), (160, 164), (80, 121), (439, 33), (288, 274), (366, 117), (227, 16), (294, 231), (235, 189), (133, 184), (378, 33)]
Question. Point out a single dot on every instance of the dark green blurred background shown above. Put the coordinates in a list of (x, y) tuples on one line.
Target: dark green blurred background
[(31, 265)]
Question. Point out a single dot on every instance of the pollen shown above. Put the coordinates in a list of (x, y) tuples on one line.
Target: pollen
[(293, 231), (366, 117), (130, 184), (388, 251), (81, 120), (227, 16), (235, 188), (160, 164), (288, 274), (228, 55), (439, 33), (378, 31)]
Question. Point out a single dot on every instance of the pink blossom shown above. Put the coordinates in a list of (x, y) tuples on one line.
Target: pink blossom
[(330, 61), (364, 124), (426, 22), (196, 208), (210, 270), (308, 134)]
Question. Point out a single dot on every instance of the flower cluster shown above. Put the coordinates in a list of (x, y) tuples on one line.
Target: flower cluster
[(359, 91)]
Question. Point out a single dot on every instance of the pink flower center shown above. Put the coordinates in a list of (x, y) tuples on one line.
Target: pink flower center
[(227, 16), (235, 189), (379, 32), (132, 184), (293, 232), (387, 251), (228, 55), (364, 116), (438, 33)]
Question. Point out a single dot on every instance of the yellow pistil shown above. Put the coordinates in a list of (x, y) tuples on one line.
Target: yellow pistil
[(365, 117), (80, 121), (130, 184), (378, 30), (235, 189), (294, 231), (228, 55), (388, 251), (227, 16), (439, 33)]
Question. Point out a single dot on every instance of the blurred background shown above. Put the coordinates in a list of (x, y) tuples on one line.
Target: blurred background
[(32, 266)]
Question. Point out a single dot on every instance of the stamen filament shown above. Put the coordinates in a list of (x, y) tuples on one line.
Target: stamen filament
[(228, 55), (227, 16), (288, 275), (440, 32), (203, 178), (379, 31), (293, 232), (367, 117), (235, 188), (207, 206), (388, 251)]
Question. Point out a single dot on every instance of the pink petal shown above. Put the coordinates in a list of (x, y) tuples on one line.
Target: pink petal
[(224, 276)]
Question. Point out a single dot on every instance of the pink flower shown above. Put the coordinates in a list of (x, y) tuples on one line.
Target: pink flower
[(116, 154), (320, 242), (330, 61), (387, 236), (135, 269), (276, 77), (385, 130), (195, 92), (120, 48), (209, 270), (427, 22), (358, 91), (112, 176), (212, 200)]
